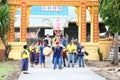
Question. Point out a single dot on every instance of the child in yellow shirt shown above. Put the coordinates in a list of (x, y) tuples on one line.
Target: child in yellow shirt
[(25, 59)]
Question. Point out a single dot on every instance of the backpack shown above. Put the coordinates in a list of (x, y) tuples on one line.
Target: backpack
[(24, 52)]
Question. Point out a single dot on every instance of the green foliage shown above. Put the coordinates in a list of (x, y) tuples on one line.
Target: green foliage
[(100, 54), (110, 13), (4, 2), (4, 25), (4, 20)]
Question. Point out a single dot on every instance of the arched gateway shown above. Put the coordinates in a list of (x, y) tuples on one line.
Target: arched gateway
[(81, 6)]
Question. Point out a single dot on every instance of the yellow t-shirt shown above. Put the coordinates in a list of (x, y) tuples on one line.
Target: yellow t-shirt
[(37, 49), (30, 48), (25, 54), (71, 48), (74, 48)]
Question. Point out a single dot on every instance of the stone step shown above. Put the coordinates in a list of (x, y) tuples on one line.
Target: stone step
[(111, 53), (110, 57)]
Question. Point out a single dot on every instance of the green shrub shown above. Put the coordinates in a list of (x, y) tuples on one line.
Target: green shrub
[(100, 54)]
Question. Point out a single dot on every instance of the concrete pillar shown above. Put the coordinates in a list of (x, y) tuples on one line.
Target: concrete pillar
[(23, 28), (81, 12), (11, 34), (94, 25)]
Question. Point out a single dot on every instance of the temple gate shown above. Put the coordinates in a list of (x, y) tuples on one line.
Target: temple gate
[(81, 6)]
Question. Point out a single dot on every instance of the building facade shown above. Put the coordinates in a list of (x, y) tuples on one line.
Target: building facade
[(26, 21)]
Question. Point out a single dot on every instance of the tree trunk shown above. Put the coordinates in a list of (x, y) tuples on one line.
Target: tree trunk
[(7, 51), (7, 48), (115, 56)]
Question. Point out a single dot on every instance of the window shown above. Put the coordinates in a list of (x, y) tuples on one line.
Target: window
[(51, 8)]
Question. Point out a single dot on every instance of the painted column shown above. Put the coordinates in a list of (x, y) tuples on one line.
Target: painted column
[(23, 28), (91, 30), (11, 34), (28, 13), (82, 21), (94, 25)]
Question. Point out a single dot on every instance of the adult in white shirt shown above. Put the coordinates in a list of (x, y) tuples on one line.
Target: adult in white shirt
[(48, 39)]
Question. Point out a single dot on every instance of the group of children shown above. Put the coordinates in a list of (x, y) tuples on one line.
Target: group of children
[(34, 54), (71, 53)]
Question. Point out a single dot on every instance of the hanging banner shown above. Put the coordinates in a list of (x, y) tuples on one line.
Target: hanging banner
[(49, 31)]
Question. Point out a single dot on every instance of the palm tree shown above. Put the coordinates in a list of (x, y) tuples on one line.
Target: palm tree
[(4, 25)]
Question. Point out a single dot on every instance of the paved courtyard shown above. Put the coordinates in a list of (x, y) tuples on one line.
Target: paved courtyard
[(47, 73)]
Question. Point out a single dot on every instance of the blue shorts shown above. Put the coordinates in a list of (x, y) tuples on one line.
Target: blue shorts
[(42, 59)]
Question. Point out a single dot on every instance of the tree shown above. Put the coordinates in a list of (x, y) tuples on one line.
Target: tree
[(4, 25), (110, 13)]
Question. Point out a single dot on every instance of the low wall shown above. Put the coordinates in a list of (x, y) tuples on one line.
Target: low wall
[(104, 45), (91, 48), (2, 49), (105, 48), (1, 45), (17, 48)]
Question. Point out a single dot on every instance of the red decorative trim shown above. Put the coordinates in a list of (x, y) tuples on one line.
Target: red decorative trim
[(23, 2), (83, 3)]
